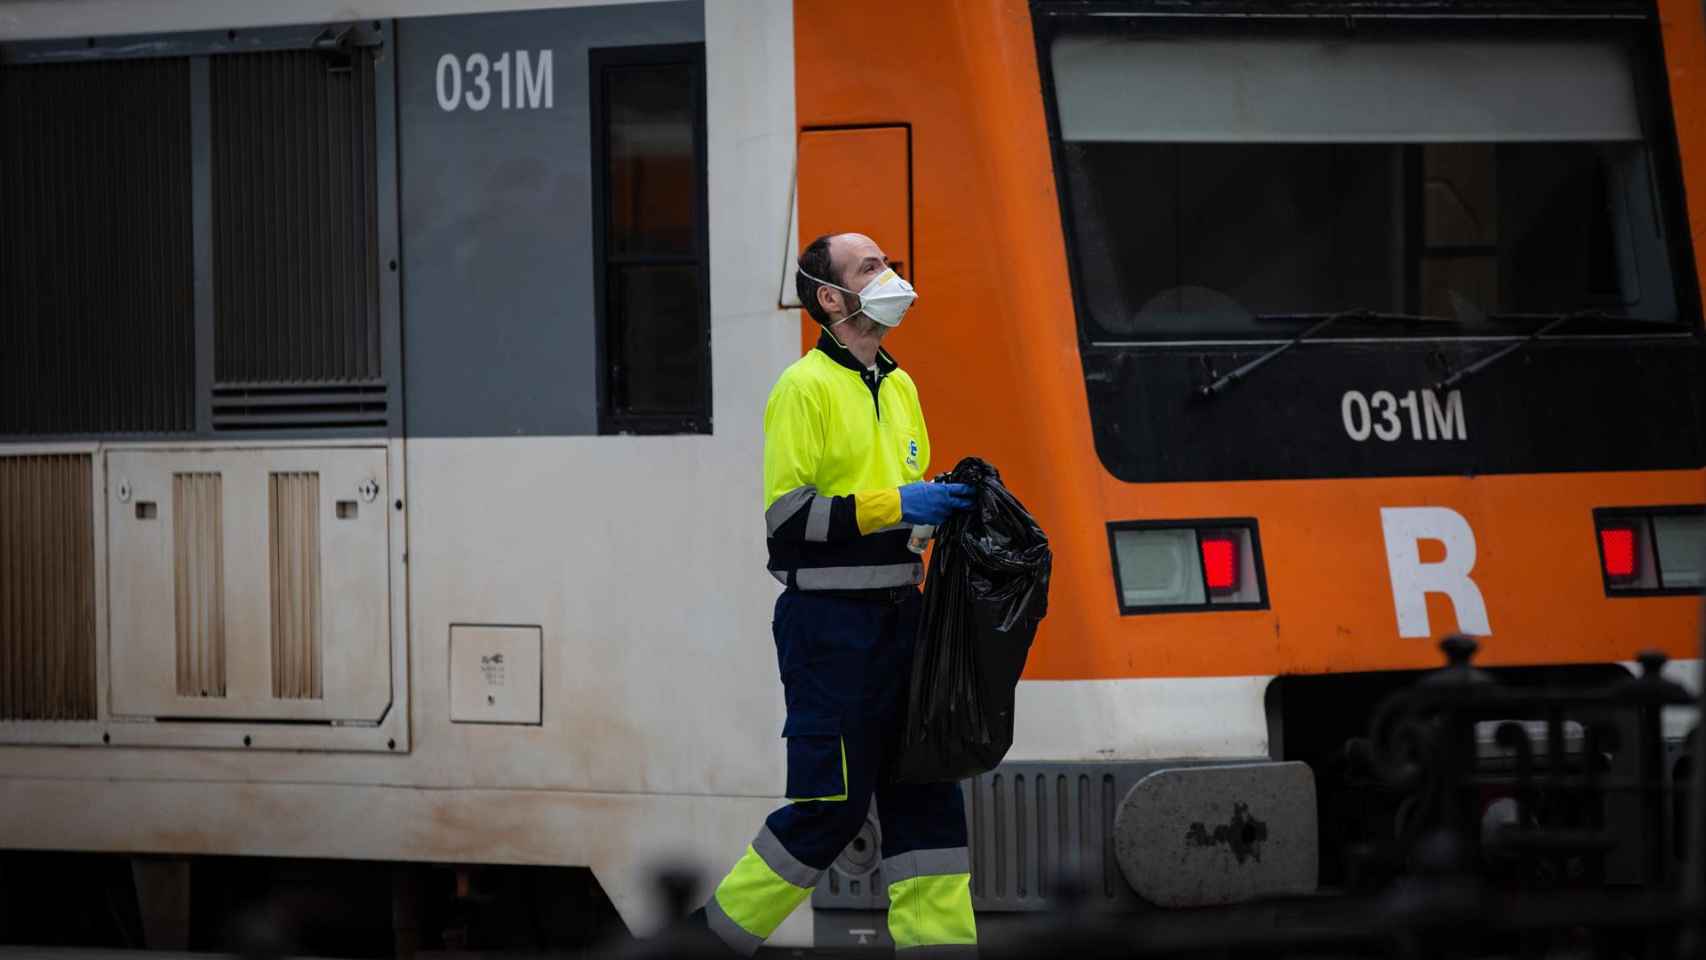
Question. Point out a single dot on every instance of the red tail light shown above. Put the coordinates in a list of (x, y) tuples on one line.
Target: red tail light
[(1617, 548), (1220, 563)]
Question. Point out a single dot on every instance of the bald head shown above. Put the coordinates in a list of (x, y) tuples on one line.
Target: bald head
[(847, 260)]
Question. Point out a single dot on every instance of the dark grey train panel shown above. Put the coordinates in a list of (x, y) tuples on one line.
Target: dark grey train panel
[(428, 182), (499, 325)]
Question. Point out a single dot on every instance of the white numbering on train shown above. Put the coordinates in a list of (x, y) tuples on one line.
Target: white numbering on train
[(518, 80), (1384, 414)]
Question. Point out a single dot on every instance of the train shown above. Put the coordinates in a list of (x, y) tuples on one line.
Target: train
[(381, 389)]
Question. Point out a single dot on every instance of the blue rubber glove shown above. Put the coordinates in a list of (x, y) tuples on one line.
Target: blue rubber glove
[(933, 503)]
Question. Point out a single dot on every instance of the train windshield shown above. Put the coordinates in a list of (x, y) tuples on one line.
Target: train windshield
[(1214, 182)]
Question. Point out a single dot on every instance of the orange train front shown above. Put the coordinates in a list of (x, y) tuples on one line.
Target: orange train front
[(380, 423), (1311, 338)]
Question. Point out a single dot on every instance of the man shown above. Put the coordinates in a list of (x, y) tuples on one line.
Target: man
[(845, 451)]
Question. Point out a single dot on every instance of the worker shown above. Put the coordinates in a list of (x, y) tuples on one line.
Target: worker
[(845, 451)]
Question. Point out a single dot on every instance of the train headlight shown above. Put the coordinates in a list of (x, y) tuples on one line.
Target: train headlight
[(1185, 565), (1651, 550), (1680, 540)]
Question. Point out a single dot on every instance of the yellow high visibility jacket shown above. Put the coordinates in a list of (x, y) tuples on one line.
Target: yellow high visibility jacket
[(839, 441)]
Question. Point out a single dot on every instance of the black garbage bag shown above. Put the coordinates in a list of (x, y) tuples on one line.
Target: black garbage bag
[(986, 593)]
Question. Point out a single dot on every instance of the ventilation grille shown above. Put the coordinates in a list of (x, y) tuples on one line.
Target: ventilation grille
[(96, 287), (1032, 826), (272, 407), (295, 248), (47, 588), (293, 525), (198, 551)]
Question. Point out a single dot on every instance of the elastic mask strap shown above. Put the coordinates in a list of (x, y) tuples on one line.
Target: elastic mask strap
[(830, 328), (826, 283)]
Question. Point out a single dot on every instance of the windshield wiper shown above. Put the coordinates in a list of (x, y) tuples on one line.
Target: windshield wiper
[(1553, 322), (1322, 322)]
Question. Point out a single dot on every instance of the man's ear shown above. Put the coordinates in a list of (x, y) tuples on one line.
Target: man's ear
[(826, 298)]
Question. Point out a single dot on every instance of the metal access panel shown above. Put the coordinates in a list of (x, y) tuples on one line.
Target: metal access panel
[(494, 674), (249, 584), (497, 206)]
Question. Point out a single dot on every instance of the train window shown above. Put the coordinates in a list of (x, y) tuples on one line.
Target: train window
[(96, 258), (650, 239), (1283, 174)]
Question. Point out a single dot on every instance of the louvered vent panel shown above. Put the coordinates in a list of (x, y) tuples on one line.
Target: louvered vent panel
[(1032, 826), (274, 407), (293, 504), (198, 550), (96, 260), (47, 589), (295, 243)]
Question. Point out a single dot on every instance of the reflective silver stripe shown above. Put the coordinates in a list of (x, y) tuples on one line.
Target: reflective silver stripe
[(817, 521), (947, 861), (786, 506), (730, 932), (777, 858), (859, 578), (893, 527), (781, 576)]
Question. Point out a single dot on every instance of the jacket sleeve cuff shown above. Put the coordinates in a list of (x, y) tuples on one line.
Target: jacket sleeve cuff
[(876, 509)]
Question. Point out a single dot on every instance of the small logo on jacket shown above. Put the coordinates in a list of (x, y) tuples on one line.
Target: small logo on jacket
[(912, 454)]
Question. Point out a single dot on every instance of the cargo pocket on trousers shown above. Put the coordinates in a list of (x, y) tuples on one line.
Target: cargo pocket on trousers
[(817, 759)]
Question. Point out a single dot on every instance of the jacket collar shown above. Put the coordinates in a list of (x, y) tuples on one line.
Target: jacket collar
[(840, 354)]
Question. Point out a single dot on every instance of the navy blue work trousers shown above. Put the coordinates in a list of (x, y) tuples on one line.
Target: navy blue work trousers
[(846, 666)]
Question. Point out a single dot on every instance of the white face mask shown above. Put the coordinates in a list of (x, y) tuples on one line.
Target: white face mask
[(885, 299)]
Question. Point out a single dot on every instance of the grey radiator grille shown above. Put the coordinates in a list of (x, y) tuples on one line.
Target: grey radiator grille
[(296, 302), (1032, 826), (96, 287)]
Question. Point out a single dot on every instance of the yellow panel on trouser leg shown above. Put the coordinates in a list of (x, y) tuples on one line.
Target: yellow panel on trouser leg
[(754, 898), (932, 911)]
